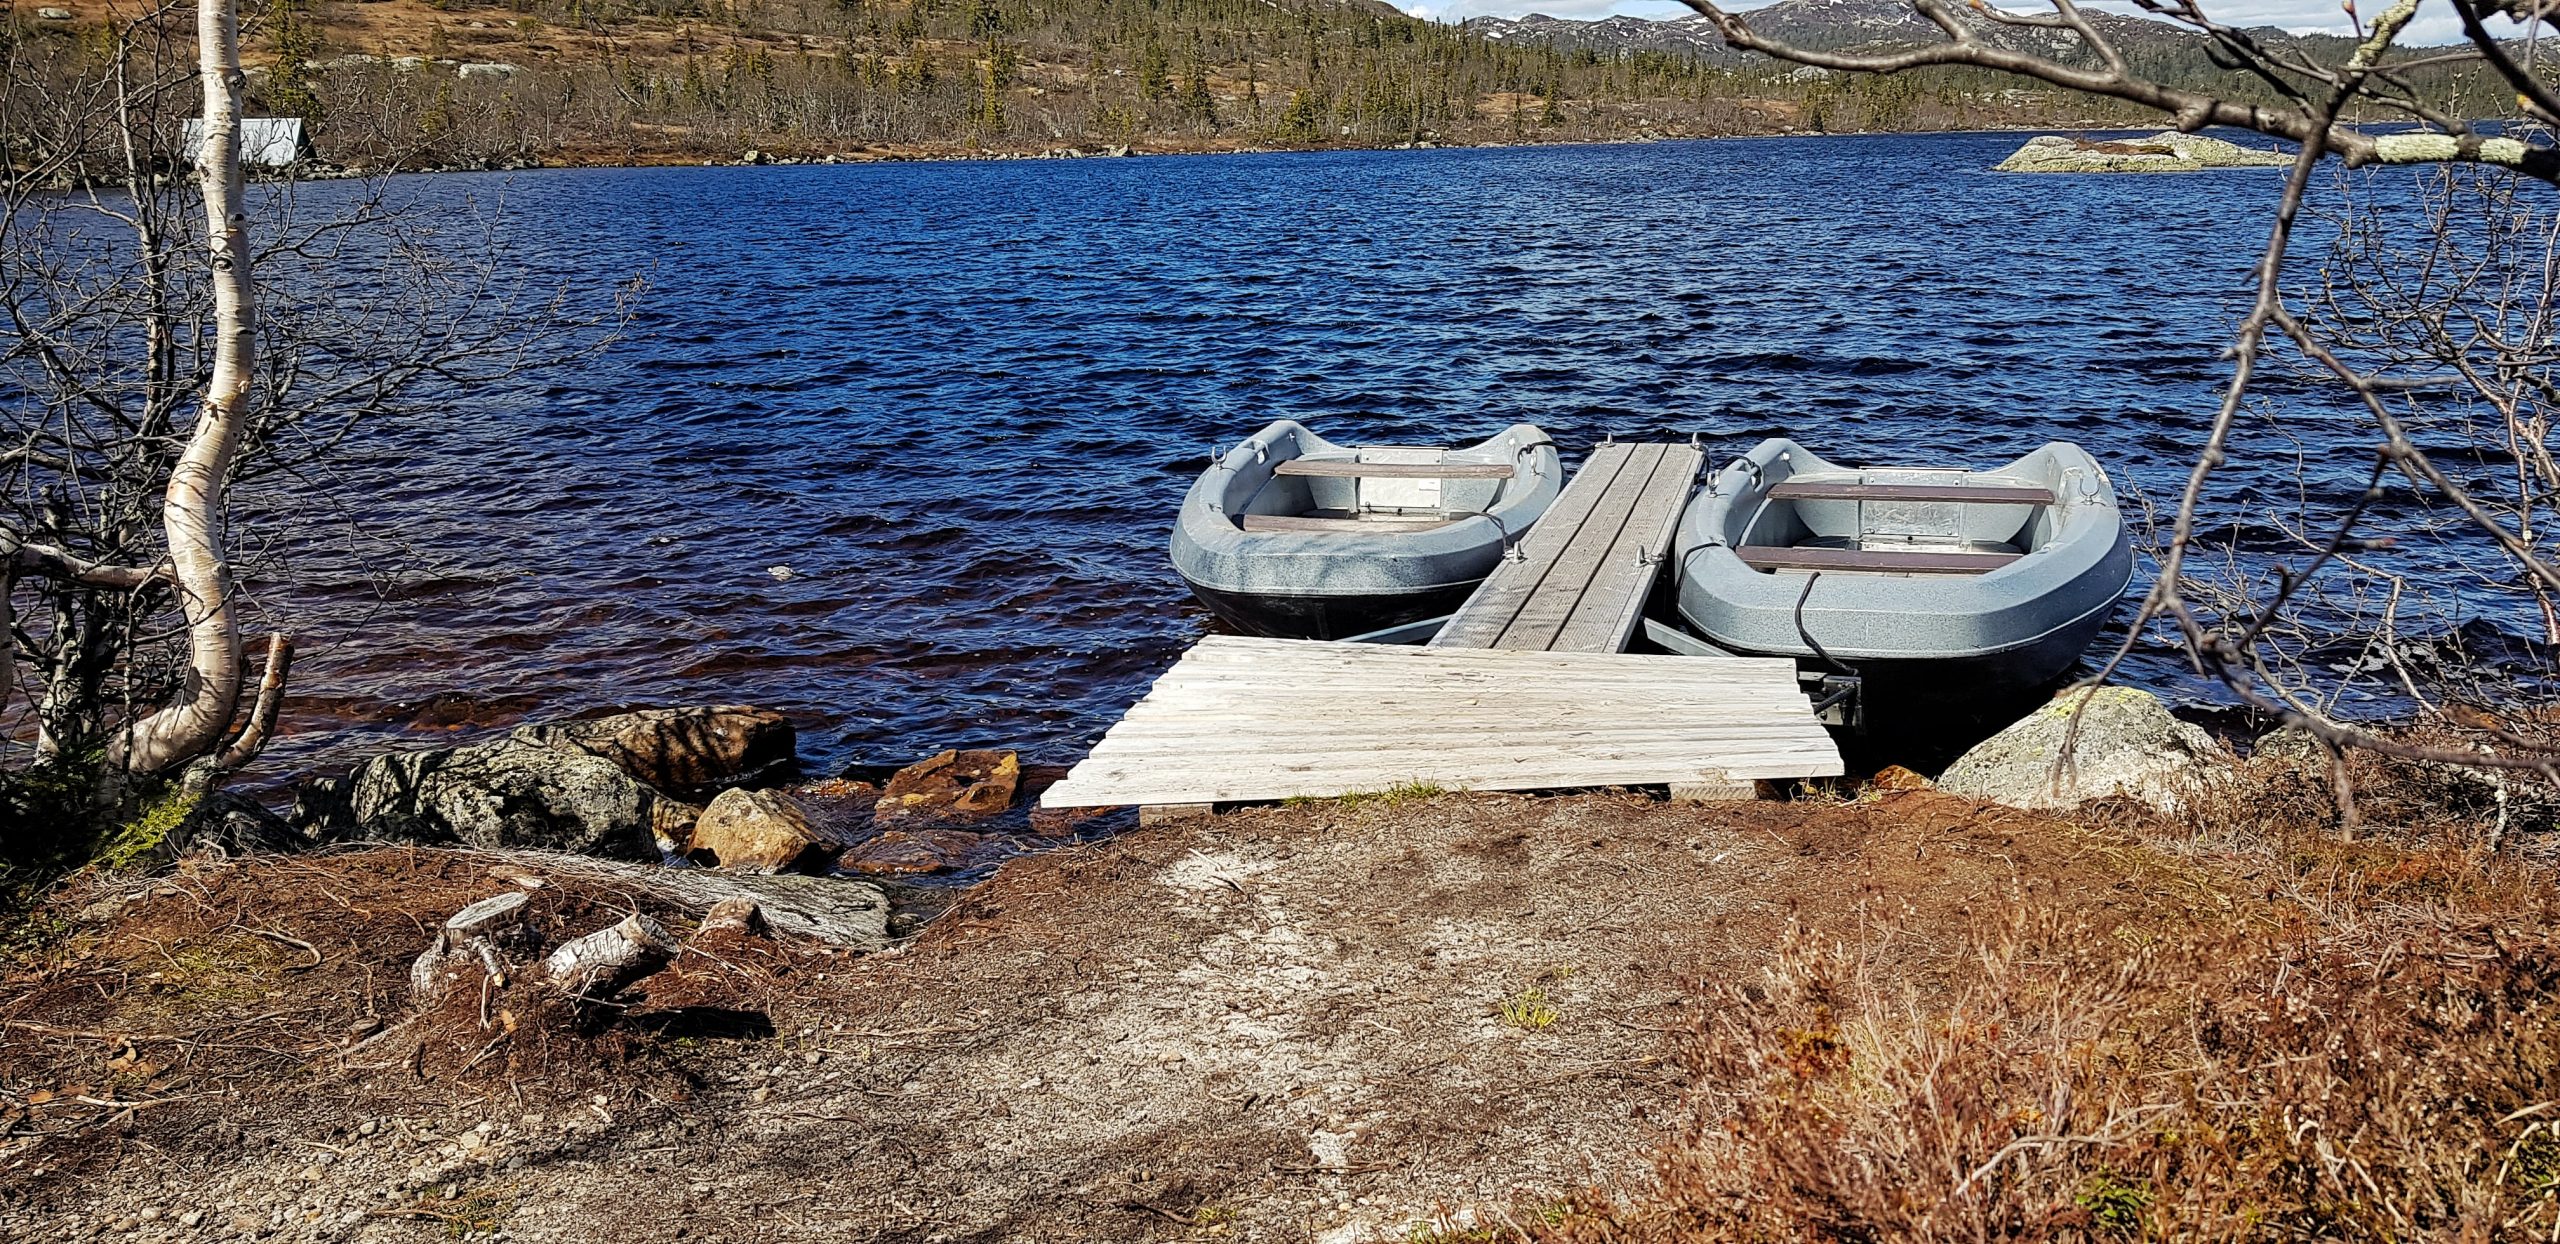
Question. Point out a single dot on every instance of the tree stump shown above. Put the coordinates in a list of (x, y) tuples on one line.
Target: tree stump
[(481, 936)]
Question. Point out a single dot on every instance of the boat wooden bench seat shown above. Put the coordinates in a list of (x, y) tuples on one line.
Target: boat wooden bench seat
[(1336, 468), (1350, 526), (1961, 494), (1916, 561)]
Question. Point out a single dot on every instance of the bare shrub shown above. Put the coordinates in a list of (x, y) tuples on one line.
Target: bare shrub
[(2372, 1056)]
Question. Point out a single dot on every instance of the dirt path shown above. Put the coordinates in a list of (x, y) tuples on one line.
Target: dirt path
[(1327, 1022)]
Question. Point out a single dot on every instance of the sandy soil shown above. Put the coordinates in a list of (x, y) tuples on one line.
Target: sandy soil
[(1327, 1022)]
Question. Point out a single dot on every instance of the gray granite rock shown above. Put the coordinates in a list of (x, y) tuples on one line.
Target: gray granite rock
[(2126, 743)]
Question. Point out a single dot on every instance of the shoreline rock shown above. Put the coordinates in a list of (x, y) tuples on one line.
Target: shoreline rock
[(2122, 742), (598, 787), (2165, 152), (755, 831)]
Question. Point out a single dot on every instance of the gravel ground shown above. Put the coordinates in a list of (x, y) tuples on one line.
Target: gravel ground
[(1328, 1022)]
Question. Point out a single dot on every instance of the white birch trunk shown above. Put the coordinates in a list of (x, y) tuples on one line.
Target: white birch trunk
[(192, 512)]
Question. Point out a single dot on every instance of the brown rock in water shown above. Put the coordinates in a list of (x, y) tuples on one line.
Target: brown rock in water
[(758, 831), (899, 852), (839, 809), (686, 752), (953, 788), (1895, 777)]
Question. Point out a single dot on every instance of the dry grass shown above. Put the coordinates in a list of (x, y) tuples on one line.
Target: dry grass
[(2359, 1040)]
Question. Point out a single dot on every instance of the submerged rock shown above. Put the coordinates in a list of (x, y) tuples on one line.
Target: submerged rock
[(954, 788), (690, 753), (2126, 743), (2166, 152), (757, 831), (900, 852)]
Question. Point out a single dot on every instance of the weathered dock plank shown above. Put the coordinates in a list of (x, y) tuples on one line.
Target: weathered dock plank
[(1582, 574), (1242, 720)]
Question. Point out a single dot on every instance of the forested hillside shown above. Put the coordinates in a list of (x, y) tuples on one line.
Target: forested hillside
[(424, 83)]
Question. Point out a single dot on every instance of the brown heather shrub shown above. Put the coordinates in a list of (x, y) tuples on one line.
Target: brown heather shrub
[(2372, 1054)]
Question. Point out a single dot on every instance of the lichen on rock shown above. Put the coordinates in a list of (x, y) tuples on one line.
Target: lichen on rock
[(2090, 743), (2165, 152)]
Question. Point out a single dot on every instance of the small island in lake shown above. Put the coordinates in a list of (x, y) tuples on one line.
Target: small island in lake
[(2165, 152)]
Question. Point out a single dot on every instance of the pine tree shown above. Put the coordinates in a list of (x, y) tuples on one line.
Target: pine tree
[(1196, 104), (1155, 71), (1001, 65), (1300, 119), (290, 91)]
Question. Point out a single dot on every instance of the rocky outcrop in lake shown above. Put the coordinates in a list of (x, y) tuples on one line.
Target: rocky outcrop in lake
[(2165, 152)]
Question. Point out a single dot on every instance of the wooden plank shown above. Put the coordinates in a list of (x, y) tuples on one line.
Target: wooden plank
[(1335, 468), (1568, 578), (1241, 720), (1499, 598), (1719, 789), (1962, 494), (1339, 526), (1614, 603), (1915, 561)]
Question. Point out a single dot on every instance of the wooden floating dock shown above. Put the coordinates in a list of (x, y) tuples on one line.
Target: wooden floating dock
[(1583, 573), (1238, 720), (1527, 687)]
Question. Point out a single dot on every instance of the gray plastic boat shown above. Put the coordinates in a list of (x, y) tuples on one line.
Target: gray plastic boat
[(1291, 535), (1933, 584)]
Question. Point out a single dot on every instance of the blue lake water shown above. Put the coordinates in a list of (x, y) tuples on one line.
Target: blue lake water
[(961, 401)]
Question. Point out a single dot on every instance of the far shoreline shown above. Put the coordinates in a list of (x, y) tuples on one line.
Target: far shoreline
[(677, 161)]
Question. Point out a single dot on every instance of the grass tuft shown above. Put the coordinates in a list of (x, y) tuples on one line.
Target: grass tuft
[(1529, 1010)]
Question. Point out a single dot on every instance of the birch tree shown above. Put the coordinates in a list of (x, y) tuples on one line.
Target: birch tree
[(172, 334)]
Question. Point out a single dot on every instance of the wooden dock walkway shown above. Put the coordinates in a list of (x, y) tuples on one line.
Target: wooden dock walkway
[(1587, 567), (1238, 720)]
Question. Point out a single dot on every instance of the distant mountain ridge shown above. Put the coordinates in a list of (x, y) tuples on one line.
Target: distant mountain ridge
[(1857, 25)]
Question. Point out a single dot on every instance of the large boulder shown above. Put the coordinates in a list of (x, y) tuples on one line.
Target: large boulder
[(2122, 742), (756, 831), (2166, 152), (623, 786), (690, 753), (517, 791)]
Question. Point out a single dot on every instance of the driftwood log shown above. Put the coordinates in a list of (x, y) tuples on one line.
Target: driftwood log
[(839, 911)]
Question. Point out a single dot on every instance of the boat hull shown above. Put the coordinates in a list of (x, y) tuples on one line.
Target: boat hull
[(1332, 578), (1283, 616), (1922, 644), (1904, 688)]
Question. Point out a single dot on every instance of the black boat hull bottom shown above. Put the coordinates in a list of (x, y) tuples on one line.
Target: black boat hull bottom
[(1276, 616)]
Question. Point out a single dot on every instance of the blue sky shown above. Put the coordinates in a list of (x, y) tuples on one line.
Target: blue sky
[(2435, 22)]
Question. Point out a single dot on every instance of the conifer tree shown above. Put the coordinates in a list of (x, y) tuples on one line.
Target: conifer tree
[(1155, 71), (1196, 104), (289, 90)]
